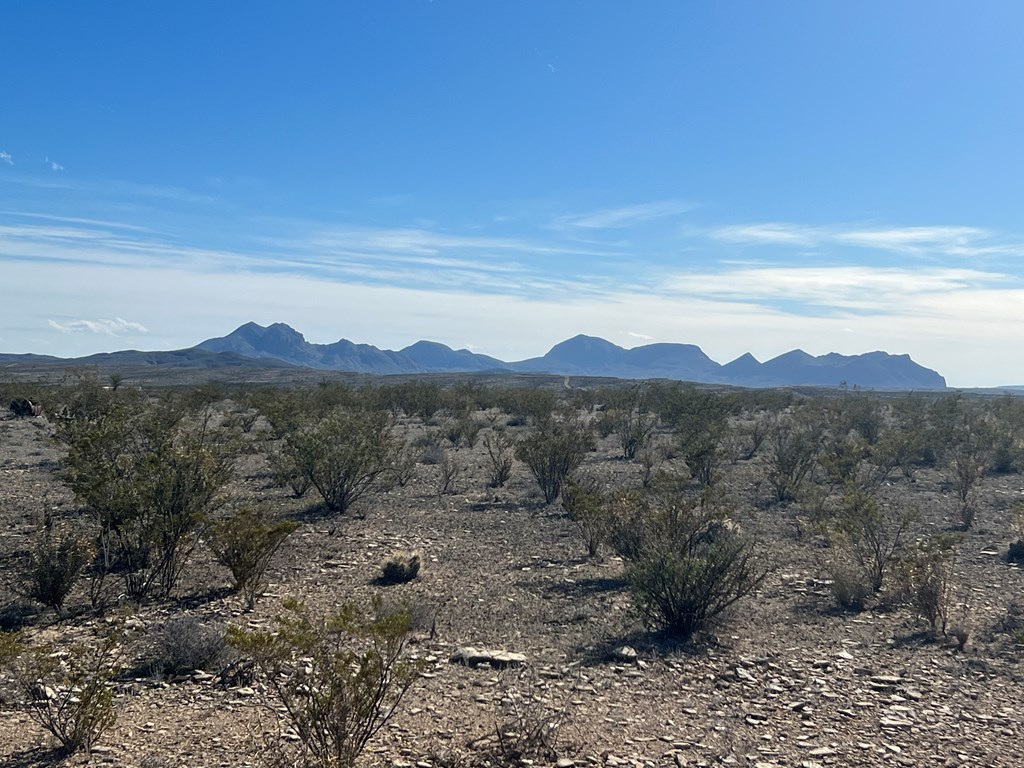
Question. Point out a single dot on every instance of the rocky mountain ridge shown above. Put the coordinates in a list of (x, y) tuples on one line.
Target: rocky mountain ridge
[(584, 356)]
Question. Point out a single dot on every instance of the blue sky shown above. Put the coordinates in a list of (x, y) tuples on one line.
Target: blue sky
[(502, 175)]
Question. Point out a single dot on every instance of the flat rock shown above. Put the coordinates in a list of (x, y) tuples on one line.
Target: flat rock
[(473, 657)]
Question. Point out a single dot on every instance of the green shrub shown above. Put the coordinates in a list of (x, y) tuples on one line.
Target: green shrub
[(400, 568), (848, 587), (55, 565), (793, 446), (286, 473), (872, 534), (344, 454), (584, 501), (451, 469), (244, 543), (553, 450), (70, 689), (686, 562), (150, 475), (927, 579), (339, 679), (500, 453)]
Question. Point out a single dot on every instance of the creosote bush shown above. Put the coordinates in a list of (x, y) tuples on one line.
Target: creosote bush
[(70, 689), (926, 579), (150, 475), (345, 453), (584, 501), (553, 450), (872, 534), (55, 564), (244, 543), (686, 562), (338, 679), (500, 452)]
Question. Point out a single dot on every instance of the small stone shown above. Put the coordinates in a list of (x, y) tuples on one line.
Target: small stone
[(625, 653)]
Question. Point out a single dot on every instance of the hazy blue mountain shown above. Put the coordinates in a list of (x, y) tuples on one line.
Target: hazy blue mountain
[(588, 356), (432, 356), (280, 341), (280, 345), (591, 356)]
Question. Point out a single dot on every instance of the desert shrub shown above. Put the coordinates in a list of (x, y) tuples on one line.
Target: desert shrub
[(462, 430), (755, 433), (553, 450), (451, 469), (636, 429), (527, 725), (400, 568), (150, 475), (286, 473), (185, 645), (700, 435), (55, 564), (606, 423), (686, 562), (413, 398), (872, 534), (793, 444), (971, 437), (500, 454), (848, 587), (244, 543), (70, 689), (527, 405), (926, 579), (338, 679), (344, 454), (403, 464), (283, 409), (584, 501), (431, 449)]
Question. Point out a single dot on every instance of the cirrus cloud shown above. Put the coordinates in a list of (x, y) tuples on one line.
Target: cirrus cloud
[(114, 327)]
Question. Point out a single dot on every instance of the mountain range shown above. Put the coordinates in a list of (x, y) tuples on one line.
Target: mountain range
[(580, 356)]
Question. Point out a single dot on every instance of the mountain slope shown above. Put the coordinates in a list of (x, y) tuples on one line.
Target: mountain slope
[(279, 345)]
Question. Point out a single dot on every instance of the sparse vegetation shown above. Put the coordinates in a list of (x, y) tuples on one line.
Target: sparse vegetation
[(69, 690), (55, 564), (553, 450), (151, 475), (686, 562), (344, 454), (184, 645), (244, 543), (338, 679), (584, 501), (867, 481)]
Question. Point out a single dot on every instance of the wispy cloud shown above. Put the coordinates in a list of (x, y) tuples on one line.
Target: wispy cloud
[(770, 233), (55, 166), (911, 241), (610, 218), (851, 288), (115, 327), (5, 157), (116, 188), (107, 223)]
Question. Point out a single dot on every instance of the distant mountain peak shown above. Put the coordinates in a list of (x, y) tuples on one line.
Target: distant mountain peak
[(584, 355)]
